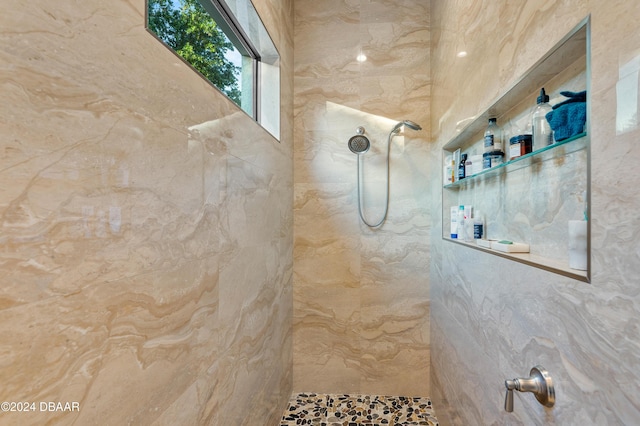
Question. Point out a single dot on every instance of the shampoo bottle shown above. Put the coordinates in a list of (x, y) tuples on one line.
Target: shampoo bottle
[(493, 137), (478, 226), (461, 167)]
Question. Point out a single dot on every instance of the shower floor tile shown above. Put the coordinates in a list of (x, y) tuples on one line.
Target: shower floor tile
[(354, 410)]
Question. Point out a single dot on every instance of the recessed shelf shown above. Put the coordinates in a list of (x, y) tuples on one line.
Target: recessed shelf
[(567, 146), (534, 204), (571, 48), (540, 262)]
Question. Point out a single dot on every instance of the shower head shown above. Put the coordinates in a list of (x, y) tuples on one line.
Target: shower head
[(359, 144), (411, 124)]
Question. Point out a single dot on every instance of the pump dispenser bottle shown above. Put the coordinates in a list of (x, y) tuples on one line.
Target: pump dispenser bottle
[(542, 135)]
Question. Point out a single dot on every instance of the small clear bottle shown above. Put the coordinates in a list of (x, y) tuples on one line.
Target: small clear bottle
[(542, 134), (493, 137)]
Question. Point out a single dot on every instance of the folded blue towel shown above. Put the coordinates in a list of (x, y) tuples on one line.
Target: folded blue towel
[(573, 97), (569, 117)]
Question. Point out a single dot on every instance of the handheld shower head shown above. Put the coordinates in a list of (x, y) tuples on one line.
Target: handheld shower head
[(411, 124), (359, 144)]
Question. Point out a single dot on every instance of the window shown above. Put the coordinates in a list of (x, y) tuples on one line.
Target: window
[(226, 42)]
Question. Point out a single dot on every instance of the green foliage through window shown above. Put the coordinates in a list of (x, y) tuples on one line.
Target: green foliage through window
[(187, 28)]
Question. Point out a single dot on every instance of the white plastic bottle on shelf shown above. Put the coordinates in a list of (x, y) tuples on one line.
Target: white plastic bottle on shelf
[(454, 222), (542, 135), (460, 222), (448, 172)]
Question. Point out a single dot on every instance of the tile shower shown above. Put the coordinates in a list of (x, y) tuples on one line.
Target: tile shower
[(124, 173), (493, 319), (141, 276), (361, 296)]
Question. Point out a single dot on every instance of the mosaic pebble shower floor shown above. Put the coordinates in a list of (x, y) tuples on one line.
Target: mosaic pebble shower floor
[(354, 410)]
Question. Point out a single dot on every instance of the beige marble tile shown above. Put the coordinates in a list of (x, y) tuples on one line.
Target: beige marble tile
[(147, 227), (350, 281), (493, 319)]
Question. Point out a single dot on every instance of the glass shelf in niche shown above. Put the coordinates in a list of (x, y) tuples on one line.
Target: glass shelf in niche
[(557, 149)]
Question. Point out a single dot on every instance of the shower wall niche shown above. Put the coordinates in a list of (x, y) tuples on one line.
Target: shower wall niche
[(532, 198)]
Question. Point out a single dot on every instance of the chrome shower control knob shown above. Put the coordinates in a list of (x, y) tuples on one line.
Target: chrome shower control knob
[(539, 383)]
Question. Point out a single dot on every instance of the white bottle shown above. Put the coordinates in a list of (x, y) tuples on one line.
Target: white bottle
[(448, 173), (460, 234), (468, 229), (454, 222), (542, 134), (468, 166), (468, 223)]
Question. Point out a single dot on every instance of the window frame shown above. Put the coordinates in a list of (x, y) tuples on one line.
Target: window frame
[(230, 26), (227, 22)]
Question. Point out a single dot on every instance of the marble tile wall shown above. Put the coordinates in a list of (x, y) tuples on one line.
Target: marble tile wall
[(493, 319), (146, 238), (361, 295)]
